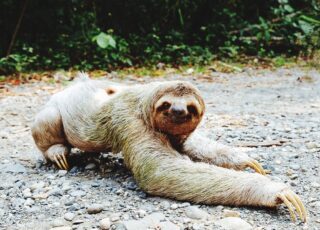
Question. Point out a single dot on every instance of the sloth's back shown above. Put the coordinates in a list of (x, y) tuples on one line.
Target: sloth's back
[(76, 105)]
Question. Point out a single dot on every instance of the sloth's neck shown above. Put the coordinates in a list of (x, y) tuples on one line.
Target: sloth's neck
[(177, 141)]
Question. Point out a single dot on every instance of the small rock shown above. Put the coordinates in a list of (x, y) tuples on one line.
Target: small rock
[(142, 213), (131, 186), (234, 223), (174, 206), (134, 225), (55, 192), (311, 145), (119, 192), (167, 225), (37, 185), (185, 204), (194, 212), (315, 185), (94, 209), (40, 196), (165, 205), (149, 222), (293, 184), (62, 172), (58, 223), (295, 167), (90, 166), (293, 177), (115, 217), (119, 226), (155, 217), (230, 213), (197, 226), (78, 193), (69, 216), (77, 221), (105, 224), (69, 202), (27, 193), (289, 172)]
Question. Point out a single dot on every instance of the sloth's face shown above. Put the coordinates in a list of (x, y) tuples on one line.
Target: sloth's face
[(177, 115)]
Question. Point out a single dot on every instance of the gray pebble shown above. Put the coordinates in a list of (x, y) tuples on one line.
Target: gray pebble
[(230, 213), (58, 222), (62, 173), (234, 223), (174, 206), (315, 185), (77, 221), (69, 216), (105, 224), (295, 166), (78, 193), (167, 225), (196, 213), (311, 145), (94, 208)]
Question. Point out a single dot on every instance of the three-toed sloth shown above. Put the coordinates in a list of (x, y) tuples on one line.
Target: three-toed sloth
[(154, 126)]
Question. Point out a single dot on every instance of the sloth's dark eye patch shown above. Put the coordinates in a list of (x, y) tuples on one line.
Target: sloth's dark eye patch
[(192, 109), (165, 105)]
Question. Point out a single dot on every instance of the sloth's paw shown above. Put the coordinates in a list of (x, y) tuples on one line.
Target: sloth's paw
[(293, 203), (58, 155), (239, 160)]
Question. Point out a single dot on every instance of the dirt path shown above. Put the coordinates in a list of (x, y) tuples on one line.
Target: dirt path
[(272, 107)]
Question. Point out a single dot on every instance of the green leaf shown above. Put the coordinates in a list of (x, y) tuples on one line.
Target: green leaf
[(104, 40), (288, 8), (306, 27)]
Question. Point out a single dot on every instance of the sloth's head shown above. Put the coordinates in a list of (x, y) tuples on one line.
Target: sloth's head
[(178, 108)]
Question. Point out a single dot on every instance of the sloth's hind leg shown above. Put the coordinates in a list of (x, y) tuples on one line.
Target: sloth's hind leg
[(48, 134)]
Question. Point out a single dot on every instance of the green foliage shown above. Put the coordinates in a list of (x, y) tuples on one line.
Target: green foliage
[(106, 34)]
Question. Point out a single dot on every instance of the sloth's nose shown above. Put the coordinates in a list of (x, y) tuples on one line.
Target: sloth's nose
[(178, 110)]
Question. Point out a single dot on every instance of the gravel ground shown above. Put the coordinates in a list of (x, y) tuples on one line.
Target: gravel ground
[(278, 108)]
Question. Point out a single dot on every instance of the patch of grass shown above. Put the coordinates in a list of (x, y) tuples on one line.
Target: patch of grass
[(161, 70)]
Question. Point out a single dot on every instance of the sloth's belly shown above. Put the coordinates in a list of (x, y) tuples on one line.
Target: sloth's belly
[(87, 146)]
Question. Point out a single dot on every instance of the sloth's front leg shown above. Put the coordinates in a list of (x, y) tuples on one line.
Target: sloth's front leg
[(160, 172), (200, 148)]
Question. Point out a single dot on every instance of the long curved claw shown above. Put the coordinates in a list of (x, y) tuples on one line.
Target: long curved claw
[(289, 206), (292, 201), (61, 162), (255, 165), (303, 209), (64, 162), (57, 162)]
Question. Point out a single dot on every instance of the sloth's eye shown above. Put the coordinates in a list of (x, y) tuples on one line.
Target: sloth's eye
[(192, 109), (165, 105)]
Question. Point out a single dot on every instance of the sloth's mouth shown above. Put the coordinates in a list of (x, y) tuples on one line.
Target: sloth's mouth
[(181, 120)]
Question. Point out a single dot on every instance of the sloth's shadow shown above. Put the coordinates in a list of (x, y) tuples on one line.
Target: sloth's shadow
[(100, 162)]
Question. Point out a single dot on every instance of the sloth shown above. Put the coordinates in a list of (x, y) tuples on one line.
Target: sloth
[(154, 126)]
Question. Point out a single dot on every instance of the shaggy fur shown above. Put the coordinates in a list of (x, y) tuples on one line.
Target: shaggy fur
[(166, 158)]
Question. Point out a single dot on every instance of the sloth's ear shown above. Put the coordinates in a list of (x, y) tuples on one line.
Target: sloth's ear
[(110, 90)]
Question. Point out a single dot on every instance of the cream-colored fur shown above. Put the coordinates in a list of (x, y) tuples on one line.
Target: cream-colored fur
[(184, 166)]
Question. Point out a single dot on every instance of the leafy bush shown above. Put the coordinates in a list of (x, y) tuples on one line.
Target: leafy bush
[(106, 34)]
